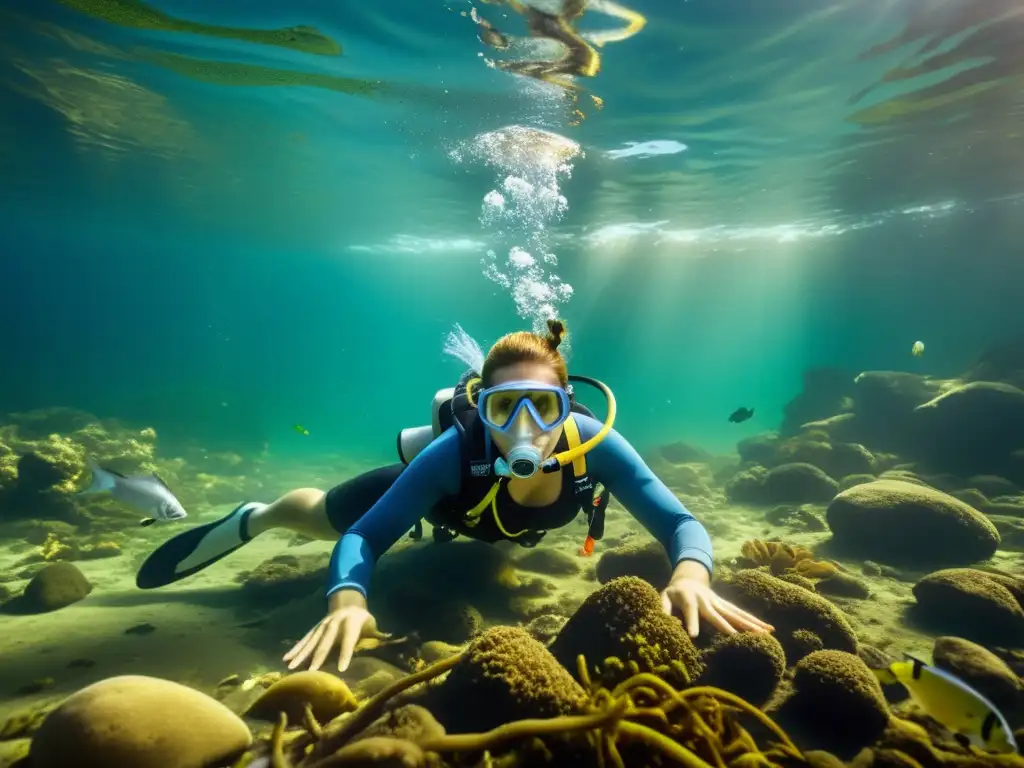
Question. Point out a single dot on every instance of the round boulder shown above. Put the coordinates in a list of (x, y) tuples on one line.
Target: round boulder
[(981, 669), (972, 428), (56, 586), (977, 605), (836, 703), (517, 678), (798, 483), (553, 562), (803, 620), (749, 664), (326, 695), (647, 561), (139, 722), (877, 520)]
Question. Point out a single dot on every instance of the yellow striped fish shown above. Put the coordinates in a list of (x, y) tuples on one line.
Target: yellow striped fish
[(969, 716)]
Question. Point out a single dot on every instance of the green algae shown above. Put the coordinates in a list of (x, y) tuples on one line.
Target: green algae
[(136, 14)]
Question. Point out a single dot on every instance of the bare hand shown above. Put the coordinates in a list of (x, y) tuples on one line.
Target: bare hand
[(344, 626), (694, 599)]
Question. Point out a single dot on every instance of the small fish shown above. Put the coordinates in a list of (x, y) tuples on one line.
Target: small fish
[(740, 415), (918, 349), (140, 629), (969, 716), (301, 429), (146, 493)]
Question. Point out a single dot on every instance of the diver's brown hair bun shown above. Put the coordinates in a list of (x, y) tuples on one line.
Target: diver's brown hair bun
[(556, 332), (528, 347)]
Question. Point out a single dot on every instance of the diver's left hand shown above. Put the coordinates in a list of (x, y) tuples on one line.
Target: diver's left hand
[(694, 599)]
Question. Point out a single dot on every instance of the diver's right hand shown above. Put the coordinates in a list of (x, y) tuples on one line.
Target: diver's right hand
[(347, 621)]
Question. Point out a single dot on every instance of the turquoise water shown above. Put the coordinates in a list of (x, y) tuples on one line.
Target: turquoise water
[(191, 247)]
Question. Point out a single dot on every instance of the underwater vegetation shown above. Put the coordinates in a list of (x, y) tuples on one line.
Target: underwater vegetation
[(989, 40), (958, 63), (505, 699), (136, 14)]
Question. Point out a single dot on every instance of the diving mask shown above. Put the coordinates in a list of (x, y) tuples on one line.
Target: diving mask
[(500, 408), (501, 414)]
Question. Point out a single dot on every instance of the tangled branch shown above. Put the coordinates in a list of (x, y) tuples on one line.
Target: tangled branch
[(694, 727)]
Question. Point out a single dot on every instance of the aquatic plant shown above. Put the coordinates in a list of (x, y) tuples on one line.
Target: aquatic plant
[(696, 727), (785, 558)]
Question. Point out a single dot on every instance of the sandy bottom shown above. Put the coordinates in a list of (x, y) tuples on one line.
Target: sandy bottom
[(201, 636)]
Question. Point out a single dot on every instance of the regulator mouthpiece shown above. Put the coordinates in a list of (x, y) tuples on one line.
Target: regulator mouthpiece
[(523, 461)]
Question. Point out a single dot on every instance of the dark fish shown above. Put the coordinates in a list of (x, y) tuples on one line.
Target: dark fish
[(740, 415), (140, 629)]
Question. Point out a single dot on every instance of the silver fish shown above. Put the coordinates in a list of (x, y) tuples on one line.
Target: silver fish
[(146, 493)]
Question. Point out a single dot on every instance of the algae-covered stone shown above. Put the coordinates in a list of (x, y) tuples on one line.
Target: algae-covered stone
[(410, 722), (553, 562), (504, 676), (139, 722), (749, 664), (437, 650), (858, 479), (836, 702), (790, 609), (284, 577), (878, 519), (801, 518), (981, 669), (798, 482), (974, 604), (972, 428), (624, 620), (327, 696), (384, 751), (647, 561), (546, 626), (843, 584), (54, 587), (748, 485)]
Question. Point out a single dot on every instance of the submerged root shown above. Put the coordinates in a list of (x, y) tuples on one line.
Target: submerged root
[(310, 723), (277, 756), (642, 716), (374, 708)]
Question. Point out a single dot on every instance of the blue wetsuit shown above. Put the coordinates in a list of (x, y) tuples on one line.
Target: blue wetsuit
[(436, 474)]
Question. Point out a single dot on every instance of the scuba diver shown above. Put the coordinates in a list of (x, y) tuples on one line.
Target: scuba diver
[(489, 467)]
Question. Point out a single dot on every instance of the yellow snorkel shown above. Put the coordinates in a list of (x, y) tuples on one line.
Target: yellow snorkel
[(559, 460)]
